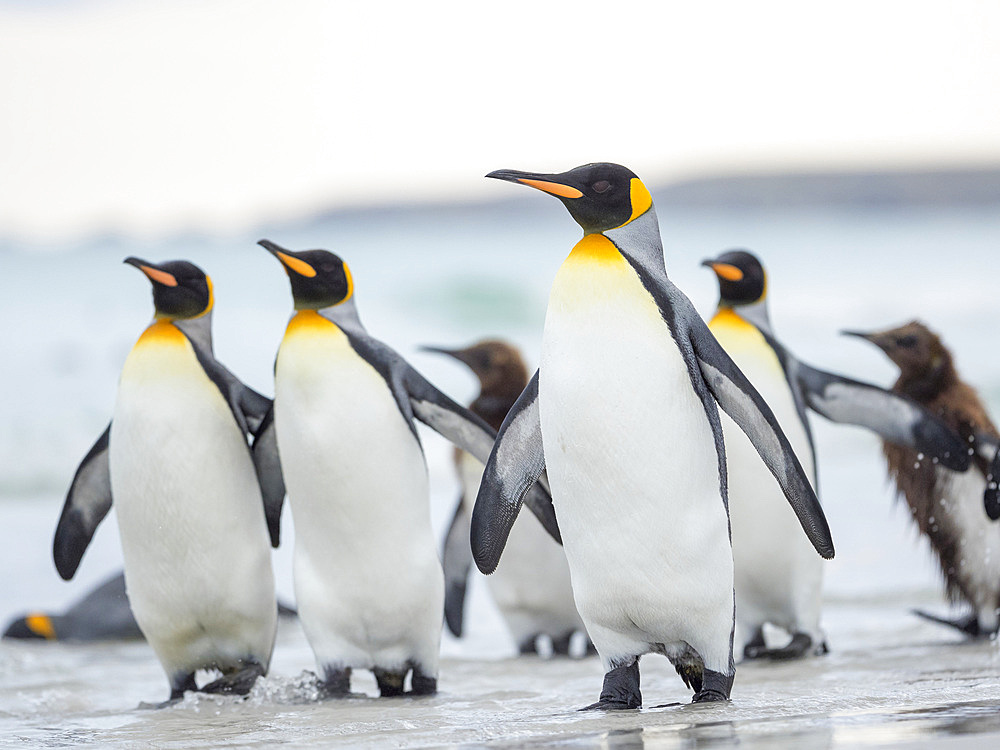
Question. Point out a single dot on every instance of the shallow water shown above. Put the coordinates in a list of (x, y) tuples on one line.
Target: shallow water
[(890, 681)]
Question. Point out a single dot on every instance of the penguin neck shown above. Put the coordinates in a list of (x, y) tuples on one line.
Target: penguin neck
[(755, 312), (639, 241), (928, 383), (198, 330), (344, 315)]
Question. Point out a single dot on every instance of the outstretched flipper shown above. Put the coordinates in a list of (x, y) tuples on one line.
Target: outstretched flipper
[(87, 503), (893, 417), (469, 432), (515, 466), (740, 400), (991, 498), (456, 559), (269, 477)]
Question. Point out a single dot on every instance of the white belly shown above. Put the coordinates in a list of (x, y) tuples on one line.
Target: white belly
[(368, 581), (633, 468), (778, 575), (531, 585), (978, 557), (190, 514)]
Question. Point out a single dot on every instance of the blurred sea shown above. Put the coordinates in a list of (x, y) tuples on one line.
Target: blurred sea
[(449, 275)]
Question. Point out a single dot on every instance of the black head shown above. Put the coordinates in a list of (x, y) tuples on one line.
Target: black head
[(319, 278), (599, 196), (494, 362), (742, 280), (913, 347), (181, 290)]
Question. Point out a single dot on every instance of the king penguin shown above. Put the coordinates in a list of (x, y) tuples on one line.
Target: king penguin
[(623, 415), (368, 583), (176, 462), (947, 505), (531, 586), (778, 578)]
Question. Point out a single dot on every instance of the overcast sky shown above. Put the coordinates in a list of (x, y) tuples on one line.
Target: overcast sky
[(153, 116)]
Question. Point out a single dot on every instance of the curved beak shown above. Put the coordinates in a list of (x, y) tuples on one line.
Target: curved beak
[(725, 271), (152, 271), (553, 184), (458, 354), (288, 259)]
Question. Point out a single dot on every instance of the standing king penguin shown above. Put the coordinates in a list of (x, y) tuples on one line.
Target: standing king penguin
[(368, 583), (175, 459), (778, 578), (531, 586), (623, 415), (947, 506)]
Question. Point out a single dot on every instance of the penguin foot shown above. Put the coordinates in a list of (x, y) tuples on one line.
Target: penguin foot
[(390, 682), (968, 624), (715, 687), (422, 684), (756, 647), (237, 683), (620, 691), (336, 682), (797, 648)]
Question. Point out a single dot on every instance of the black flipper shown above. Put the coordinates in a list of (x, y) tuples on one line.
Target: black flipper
[(456, 559), (740, 400), (991, 498), (472, 434), (87, 503), (268, 467), (893, 417), (248, 406), (515, 465)]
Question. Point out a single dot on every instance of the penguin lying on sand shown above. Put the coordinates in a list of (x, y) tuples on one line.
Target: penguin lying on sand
[(368, 583), (778, 578), (176, 462), (531, 586), (623, 415), (102, 614), (948, 507)]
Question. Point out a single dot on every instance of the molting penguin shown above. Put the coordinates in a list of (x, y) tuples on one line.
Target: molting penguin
[(368, 583), (778, 578), (175, 459), (948, 506), (623, 415), (531, 586)]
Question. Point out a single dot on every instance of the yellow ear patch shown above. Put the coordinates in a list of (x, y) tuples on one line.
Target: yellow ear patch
[(350, 284), (640, 198), (160, 277), (727, 271), (553, 188), (41, 625), (299, 266)]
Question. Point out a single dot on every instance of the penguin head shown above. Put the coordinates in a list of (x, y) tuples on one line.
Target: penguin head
[(913, 347), (599, 196), (36, 625), (742, 280), (181, 290), (319, 278), (494, 362)]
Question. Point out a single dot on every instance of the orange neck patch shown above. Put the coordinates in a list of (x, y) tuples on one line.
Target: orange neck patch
[(162, 332), (596, 248), (308, 321)]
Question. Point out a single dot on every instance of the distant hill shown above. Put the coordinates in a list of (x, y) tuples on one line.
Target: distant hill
[(976, 187)]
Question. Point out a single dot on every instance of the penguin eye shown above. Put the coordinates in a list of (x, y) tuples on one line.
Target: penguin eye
[(601, 186), (907, 342)]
